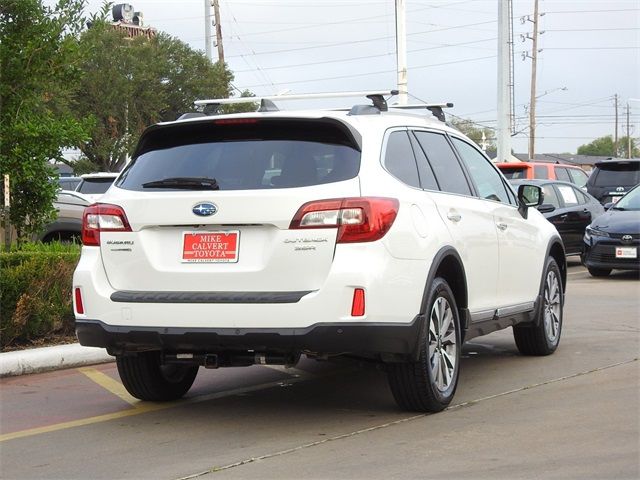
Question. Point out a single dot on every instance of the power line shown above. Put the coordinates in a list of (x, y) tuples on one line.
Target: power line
[(387, 37), (363, 57), (315, 79)]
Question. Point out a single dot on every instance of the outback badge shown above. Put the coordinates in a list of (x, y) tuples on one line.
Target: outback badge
[(204, 209)]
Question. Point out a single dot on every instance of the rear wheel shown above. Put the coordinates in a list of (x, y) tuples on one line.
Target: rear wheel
[(543, 335), (429, 384), (145, 378), (599, 272)]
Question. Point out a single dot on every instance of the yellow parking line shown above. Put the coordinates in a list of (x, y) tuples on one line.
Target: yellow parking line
[(146, 407), (109, 384)]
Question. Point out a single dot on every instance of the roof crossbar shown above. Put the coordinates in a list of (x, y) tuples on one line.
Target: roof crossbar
[(434, 108), (306, 96)]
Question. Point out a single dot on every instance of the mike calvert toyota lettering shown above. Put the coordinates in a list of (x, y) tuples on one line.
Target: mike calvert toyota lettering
[(210, 247)]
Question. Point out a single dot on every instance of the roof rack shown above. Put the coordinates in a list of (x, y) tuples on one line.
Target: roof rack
[(266, 103), (434, 108)]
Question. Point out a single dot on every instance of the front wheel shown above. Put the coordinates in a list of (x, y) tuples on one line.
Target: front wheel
[(543, 335), (146, 378), (429, 384)]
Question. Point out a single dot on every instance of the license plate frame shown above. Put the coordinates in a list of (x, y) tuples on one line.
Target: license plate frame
[(626, 252), (220, 246)]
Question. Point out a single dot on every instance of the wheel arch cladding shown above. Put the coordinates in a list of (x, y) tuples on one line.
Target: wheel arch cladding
[(556, 250)]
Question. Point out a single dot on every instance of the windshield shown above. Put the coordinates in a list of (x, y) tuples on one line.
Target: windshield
[(242, 157), (514, 173), (626, 175), (631, 201)]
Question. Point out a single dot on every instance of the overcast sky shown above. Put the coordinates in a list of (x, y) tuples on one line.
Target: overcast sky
[(590, 48)]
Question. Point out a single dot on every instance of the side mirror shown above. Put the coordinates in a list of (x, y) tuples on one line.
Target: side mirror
[(608, 205), (529, 196), (546, 208)]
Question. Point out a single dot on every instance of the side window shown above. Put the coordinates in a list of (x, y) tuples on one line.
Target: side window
[(487, 180), (578, 177), (569, 196), (427, 177), (550, 196), (562, 174), (541, 171), (444, 163), (399, 159)]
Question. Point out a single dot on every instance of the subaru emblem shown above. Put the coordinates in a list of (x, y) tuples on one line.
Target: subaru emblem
[(204, 209)]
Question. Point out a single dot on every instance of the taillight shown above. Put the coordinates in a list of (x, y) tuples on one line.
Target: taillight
[(364, 219), (102, 217)]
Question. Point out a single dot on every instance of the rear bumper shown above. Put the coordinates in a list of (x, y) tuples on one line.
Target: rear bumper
[(331, 338)]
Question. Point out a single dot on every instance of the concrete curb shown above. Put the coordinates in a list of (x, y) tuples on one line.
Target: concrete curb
[(36, 360)]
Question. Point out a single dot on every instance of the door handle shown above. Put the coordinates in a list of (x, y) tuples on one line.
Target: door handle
[(454, 216), (502, 226)]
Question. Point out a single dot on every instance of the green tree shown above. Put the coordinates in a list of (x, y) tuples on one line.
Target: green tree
[(471, 130), (130, 83), (38, 74), (604, 147)]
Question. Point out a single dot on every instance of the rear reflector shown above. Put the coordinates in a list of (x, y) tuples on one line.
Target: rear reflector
[(79, 304), (357, 307), (359, 219)]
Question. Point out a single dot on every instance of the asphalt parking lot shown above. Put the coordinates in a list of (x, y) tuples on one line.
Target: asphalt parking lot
[(575, 414)]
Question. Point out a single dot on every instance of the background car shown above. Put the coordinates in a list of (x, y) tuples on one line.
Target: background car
[(612, 241), (611, 179), (94, 185), (543, 171), (69, 183), (68, 225), (569, 209)]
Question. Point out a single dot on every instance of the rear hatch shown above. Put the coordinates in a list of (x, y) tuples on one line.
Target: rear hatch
[(611, 180), (210, 204)]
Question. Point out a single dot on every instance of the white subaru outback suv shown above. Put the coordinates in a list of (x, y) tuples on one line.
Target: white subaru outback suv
[(253, 238)]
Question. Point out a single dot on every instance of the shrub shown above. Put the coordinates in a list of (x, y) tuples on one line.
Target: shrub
[(35, 292)]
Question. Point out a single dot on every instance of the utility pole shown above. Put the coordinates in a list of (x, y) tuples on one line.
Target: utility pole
[(401, 50), (207, 30), (216, 12), (534, 65), (503, 130), (615, 133), (628, 134)]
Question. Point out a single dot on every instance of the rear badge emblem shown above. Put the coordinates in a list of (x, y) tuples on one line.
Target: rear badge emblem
[(620, 189), (204, 209), (627, 238)]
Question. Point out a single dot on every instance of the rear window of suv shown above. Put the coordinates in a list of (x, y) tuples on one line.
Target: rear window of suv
[(244, 154), (624, 174), (95, 185), (514, 173)]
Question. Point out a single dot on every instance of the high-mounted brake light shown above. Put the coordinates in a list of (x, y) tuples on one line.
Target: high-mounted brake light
[(359, 219), (102, 217), (235, 121)]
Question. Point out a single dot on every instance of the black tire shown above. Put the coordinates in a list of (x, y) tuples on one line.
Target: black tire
[(599, 272), (415, 385), (145, 378), (542, 336)]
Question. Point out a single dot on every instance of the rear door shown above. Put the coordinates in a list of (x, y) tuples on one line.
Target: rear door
[(469, 220), (210, 204)]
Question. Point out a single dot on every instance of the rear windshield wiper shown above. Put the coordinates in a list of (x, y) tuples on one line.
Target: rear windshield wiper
[(184, 183)]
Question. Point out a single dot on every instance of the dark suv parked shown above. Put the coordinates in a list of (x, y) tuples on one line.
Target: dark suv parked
[(611, 179)]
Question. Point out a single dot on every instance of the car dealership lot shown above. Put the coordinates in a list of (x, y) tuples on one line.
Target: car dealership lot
[(574, 414)]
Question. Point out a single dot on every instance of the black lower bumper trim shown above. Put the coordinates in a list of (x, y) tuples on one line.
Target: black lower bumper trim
[(355, 338), (127, 296)]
